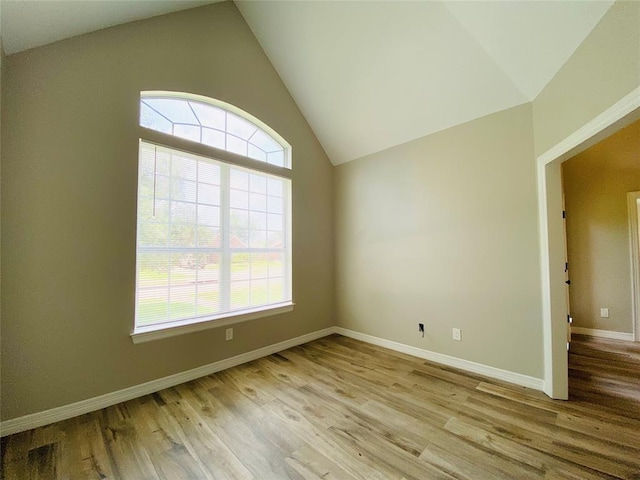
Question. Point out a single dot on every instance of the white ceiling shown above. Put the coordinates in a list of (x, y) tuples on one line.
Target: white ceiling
[(368, 75), (372, 75), (29, 24)]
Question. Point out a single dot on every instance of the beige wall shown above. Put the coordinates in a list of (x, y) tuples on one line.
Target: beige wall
[(596, 183), (69, 146), (443, 230), (605, 68)]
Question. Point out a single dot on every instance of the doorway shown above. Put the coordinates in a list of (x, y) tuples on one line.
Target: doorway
[(551, 229)]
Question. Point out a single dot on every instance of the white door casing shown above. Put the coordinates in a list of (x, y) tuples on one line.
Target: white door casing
[(552, 246)]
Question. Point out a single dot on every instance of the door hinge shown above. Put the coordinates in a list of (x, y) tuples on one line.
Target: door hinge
[(566, 266), (564, 214)]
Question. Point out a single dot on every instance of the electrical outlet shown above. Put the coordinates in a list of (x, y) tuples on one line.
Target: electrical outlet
[(457, 335), (604, 312), (229, 334)]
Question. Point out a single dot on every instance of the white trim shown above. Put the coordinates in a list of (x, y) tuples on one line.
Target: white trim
[(603, 333), (194, 148), (64, 412), (467, 365), (582, 138), (166, 330), (633, 209), (545, 272)]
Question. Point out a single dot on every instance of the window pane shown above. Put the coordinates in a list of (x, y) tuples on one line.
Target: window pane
[(257, 183), (259, 292), (275, 240), (239, 238), (239, 179), (189, 132), (153, 234), (208, 194), (276, 290), (213, 138), (257, 221), (185, 249), (152, 271), (208, 173), (276, 158), (182, 305), (149, 118), (258, 202), (239, 199), (274, 187), (239, 219), (176, 110), (257, 154), (163, 162), (274, 223), (276, 262), (209, 115), (240, 294), (150, 211), (182, 290), (208, 215), (236, 145), (152, 291), (152, 306), (183, 190), (274, 204), (240, 266), (208, 292), (182, 235), (183, 212), (258, 239), (240, 127), (264, 142), (161, 187), (259, 265), (182, 167), (208, 237), (211, 125)]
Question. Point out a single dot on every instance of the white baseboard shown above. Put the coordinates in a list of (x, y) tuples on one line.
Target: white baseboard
[(603, 333), (65, 412), (473, 367)]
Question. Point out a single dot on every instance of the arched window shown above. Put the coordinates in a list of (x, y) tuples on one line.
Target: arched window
[(214, 216), (214, 123)]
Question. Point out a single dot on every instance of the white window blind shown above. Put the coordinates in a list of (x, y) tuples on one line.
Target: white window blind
[(212, 238)]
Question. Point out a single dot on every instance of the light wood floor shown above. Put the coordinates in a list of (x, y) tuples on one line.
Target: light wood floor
[(340, 409)]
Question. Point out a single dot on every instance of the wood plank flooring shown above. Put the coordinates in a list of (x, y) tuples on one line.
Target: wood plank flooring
[(337, 408)]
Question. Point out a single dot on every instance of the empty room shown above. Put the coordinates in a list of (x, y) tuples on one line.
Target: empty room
[(319, 239)]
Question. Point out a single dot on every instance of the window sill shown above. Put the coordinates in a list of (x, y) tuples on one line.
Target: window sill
[(156, 332)]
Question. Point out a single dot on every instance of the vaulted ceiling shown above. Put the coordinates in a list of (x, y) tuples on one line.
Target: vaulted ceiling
[(370, 75)]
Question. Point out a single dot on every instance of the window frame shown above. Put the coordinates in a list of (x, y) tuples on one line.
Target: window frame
[(147, 333)]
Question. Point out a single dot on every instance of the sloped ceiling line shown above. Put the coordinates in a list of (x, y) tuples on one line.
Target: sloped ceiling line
[(372, 75), (369, 75)]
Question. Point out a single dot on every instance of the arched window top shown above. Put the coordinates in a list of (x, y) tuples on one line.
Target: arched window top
[(214, 123)]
